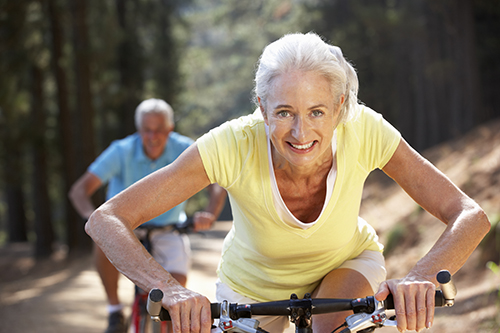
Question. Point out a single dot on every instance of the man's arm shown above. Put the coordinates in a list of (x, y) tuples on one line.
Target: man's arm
[(81, 192), (204, 220), (111, 227)]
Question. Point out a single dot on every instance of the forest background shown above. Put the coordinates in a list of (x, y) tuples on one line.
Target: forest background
[(73, 71)]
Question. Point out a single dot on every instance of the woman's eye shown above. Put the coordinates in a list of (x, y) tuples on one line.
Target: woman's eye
[(283, 113), (317, 113)]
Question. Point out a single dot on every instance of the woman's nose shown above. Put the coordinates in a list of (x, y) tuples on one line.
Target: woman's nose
[(300, 128)]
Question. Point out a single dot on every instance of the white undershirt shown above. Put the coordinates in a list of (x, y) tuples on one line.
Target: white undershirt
[(283, 211)]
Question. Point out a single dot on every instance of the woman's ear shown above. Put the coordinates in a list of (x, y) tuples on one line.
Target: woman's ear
[(342, 99)]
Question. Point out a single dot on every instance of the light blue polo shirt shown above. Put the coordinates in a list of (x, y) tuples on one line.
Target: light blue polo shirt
[(124, 162)]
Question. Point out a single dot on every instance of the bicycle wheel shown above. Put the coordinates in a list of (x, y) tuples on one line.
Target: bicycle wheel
[(141, 321), (139, 317)]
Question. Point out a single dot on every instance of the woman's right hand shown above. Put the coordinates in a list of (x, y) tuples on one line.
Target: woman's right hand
[(189, 311), (413, 301)]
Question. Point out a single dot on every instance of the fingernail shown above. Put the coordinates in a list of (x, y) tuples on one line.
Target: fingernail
[(429, 324)]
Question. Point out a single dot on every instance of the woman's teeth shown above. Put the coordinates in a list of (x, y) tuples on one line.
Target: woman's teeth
[(306, 146)]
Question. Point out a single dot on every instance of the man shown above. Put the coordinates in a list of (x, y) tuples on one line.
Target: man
[(123, 163)]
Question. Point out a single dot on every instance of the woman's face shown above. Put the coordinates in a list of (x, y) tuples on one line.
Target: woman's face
[(302, 114)]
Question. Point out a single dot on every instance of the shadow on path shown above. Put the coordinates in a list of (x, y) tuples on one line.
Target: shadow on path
[(59, 296)]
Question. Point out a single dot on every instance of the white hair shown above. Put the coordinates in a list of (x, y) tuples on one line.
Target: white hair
[(308, 53), (154, 105)]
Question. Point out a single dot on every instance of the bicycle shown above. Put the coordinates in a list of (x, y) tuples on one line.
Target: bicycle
[(369, 314), (140, 321)]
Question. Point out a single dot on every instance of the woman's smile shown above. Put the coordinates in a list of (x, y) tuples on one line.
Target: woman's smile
[(303, 147), (302, 115)]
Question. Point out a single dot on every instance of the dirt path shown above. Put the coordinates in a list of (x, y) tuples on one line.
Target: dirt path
[(60, 297), (68, 297)]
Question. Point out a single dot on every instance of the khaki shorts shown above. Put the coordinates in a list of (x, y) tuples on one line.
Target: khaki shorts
[(369, 263), (171, 250)]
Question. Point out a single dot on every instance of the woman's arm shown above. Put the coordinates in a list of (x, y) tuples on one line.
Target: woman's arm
[(111, 227), (466, 224)]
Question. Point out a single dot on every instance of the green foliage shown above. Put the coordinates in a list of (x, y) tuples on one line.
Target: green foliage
[(395, 237), (200, 56), (129, 46), (405, 232), (226, 39), (495, 268), (411, 57), (490, 245)]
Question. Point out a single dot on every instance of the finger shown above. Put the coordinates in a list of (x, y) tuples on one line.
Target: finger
[(175, 319), (430, 307), (206, 319), (186, 321), (421, 313), (411, 311), (400, 309), (195, 319), (383, 292)]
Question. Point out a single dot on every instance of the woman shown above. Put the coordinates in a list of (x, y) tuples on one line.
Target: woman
[(294, 171)]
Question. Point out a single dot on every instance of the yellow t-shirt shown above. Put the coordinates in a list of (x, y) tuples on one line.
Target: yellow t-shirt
[(263, 257)]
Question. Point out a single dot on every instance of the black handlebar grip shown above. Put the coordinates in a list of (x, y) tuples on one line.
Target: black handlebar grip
[(444, 297), (389, 302), (214, 309), (439, 301)]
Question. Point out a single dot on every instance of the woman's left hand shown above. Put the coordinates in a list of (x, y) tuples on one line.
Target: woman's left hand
[(413, 301)]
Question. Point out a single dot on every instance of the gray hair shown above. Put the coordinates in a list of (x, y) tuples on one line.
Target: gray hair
[(154, 105), (308, 53)]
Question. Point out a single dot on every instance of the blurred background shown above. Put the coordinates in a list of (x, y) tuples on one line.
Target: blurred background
[(72, 73)]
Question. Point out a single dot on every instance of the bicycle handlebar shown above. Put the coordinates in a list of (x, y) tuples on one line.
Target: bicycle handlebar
[(307, 306)]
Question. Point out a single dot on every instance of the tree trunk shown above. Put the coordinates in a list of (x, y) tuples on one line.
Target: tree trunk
[(16, 219), (41, 201), (167, 62), (84, 105), (13, 69), (66, 130), (469, 64), (130, 67)]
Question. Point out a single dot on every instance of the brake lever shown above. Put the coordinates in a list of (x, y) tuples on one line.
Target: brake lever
[(361, 320), (241, 325), (378, 318)]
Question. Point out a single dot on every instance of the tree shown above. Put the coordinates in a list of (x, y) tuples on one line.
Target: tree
[(108, 63), (166, 54), (13, 108), (130, 65), (84, 120), (416, 61), (41, 201), (66, 140), (224, 43)]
